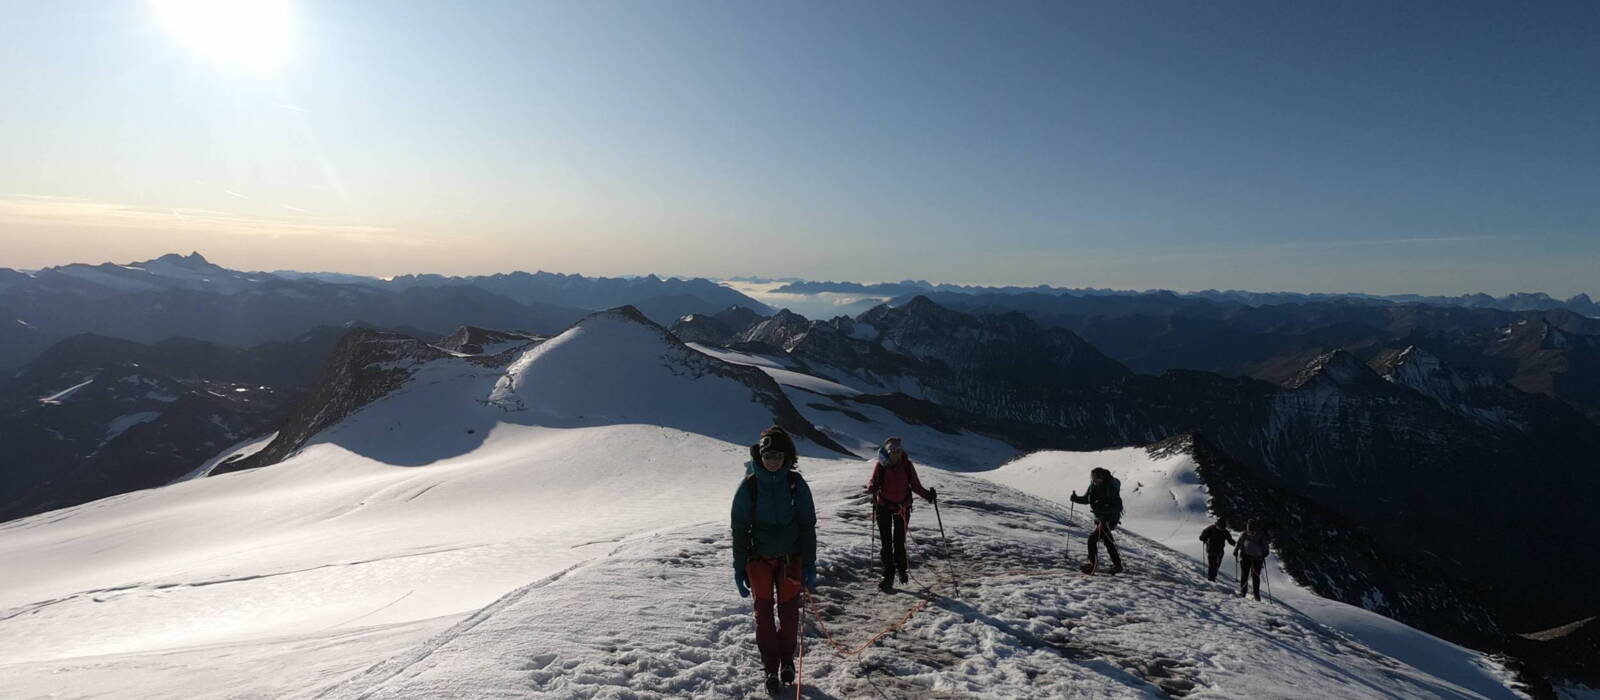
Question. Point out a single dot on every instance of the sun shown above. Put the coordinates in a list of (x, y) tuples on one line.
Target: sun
[(252, 34)]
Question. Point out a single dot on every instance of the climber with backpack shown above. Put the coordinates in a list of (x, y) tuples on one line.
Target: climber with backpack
[(1252, 552), (774, 549), (1104, 498), (894, 479), (1217, 538)]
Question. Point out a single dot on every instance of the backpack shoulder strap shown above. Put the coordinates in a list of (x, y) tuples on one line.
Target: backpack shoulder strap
[(750, 483)]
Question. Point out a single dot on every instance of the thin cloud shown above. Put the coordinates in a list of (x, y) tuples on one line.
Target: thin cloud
[(41, 210)]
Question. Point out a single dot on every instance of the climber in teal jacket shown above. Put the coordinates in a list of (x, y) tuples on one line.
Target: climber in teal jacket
[(774, 549)]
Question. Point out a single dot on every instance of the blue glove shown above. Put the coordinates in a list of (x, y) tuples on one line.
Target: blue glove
[(742, 580), (810, 576)]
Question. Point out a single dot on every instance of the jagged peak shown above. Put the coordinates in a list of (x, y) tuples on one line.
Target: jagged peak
[(473, 339), (1339, 367), (193, 259), (1409, 356), (785, 315)]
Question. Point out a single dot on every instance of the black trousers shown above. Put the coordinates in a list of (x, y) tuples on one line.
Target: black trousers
[(1102, 533), (892, 539), (1213, 563), (1252, 574)]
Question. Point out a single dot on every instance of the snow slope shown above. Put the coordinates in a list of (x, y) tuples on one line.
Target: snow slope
[(1005, 617), (1164, 499), (557, 527)]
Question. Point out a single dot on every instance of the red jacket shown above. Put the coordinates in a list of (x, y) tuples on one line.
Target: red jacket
[(893, 483)]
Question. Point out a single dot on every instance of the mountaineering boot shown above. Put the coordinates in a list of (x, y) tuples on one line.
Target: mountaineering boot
[(774, 685), (786, 671), (1088, 567), (886, 585), (1116, 568)]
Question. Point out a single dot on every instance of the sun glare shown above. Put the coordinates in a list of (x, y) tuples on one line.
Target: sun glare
[(252, 34)]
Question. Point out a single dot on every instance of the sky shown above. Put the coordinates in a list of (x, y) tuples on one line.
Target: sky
[(1381, 147)]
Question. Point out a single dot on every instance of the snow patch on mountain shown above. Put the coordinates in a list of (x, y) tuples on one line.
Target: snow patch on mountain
[(779, 373), (121, 424), (66, 393)]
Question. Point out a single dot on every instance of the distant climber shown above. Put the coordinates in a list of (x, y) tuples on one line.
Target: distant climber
[(1104, 499), (1217, 539), (774, 549), (894, 479), (1252, 552)]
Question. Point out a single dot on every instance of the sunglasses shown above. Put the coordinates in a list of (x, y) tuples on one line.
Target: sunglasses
[(773, 455)]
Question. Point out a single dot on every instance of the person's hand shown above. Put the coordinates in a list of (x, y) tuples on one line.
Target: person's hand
[(810, 576), (933, 495), (742, 580), (1074, 494)]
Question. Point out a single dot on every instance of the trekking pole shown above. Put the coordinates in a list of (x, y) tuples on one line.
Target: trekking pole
[(872, 531), (800, 659), (948, 561)]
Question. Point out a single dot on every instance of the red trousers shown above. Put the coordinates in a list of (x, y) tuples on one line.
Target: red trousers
[(775, 583)]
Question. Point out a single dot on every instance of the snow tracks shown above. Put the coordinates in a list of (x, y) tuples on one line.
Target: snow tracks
[(1005, 614)]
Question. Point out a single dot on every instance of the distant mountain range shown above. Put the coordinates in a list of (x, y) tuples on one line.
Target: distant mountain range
[(901, 291), (188, 296)]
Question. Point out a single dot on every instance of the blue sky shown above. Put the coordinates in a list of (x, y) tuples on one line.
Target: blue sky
[(1314, 146)]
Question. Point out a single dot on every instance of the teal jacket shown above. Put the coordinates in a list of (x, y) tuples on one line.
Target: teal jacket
[(1104, 499), (773, 516)]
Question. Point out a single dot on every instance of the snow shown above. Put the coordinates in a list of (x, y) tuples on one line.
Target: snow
[(240, 450), (1012, 619), (779, 373), (121, 424), (497, 348), (557, 527), (24, 324), (1163, 499), (64, 394)]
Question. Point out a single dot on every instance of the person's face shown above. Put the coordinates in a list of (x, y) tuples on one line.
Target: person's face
[(772, 461)]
